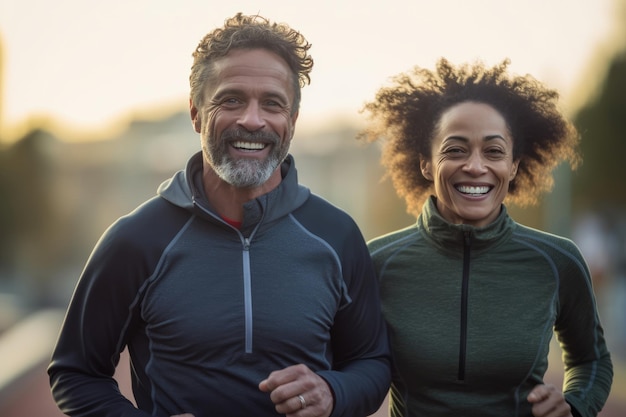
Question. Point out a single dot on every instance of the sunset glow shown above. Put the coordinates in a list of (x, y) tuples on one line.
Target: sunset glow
[(86, 64)]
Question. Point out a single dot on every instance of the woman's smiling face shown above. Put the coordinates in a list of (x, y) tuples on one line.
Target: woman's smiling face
[(471, 164)]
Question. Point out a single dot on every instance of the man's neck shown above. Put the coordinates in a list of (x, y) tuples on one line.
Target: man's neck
[(228, 200)]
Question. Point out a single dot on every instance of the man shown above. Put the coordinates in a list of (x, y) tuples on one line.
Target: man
[(236, 290)]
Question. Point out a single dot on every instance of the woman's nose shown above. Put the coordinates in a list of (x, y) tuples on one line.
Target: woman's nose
[(475, 164)]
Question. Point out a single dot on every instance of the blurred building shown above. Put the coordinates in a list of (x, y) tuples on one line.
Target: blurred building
[(90, 184)]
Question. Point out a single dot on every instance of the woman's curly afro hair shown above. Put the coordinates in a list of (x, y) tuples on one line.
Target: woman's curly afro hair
[(406, 114)]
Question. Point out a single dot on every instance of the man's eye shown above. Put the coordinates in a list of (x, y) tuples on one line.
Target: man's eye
[(274, 106), (273, 103)]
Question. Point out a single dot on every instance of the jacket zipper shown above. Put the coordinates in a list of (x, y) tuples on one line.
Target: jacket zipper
[(464, 296), (247, 295), (247, 280)]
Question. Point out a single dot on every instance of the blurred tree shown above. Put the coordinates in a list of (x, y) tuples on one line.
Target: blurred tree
[(25, 201), (602, 122), (6, 224)]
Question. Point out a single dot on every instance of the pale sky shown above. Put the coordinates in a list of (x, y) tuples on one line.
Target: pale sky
[(87, 63)]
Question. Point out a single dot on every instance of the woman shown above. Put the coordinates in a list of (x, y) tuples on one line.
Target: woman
[(472, 297)]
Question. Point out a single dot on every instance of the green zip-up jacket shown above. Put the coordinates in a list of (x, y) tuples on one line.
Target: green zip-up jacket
[(471, 312)]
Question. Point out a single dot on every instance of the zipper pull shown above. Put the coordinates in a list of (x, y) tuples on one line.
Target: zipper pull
[(467, 237)]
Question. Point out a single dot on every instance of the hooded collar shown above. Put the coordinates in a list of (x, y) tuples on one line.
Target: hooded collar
[(185, 190), (451, 237)]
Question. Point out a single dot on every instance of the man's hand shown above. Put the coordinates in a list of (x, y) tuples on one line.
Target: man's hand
[(297, 391), (183, 415), (548, 401)]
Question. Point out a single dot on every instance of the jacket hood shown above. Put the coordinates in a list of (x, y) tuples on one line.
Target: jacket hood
[(184, 189)]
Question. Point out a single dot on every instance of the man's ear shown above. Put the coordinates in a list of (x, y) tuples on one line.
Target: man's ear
[(195, 117), (425, 167), (294, 118)]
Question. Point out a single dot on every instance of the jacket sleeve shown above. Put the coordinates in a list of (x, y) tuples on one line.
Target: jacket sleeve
[(588, 366), (361, 373), (93, 332)]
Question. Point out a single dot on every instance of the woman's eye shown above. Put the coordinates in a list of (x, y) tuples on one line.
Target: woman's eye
[(495, 154), (453, 151)]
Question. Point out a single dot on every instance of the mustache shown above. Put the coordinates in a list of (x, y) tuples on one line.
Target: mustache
[(243, 134)]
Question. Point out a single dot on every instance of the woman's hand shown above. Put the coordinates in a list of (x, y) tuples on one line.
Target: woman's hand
[(548, 401)]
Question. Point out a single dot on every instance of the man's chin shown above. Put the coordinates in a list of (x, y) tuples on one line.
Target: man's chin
[(247, 172), (246, 179)]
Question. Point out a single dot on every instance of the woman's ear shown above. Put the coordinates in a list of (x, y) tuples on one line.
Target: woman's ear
[(513, 172), (425, 167)]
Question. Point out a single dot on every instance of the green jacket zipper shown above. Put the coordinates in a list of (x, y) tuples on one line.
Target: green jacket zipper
[(467, 244)]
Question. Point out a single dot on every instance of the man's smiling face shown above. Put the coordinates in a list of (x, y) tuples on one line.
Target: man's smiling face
[(246, 120)]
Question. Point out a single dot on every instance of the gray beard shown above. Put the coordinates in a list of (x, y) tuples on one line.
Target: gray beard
[(246, 173)]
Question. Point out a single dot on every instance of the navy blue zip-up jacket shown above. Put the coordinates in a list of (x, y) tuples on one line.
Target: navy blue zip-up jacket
[(207, 311)]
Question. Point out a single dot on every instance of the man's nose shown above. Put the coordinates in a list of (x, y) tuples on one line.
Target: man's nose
[(252, 117)]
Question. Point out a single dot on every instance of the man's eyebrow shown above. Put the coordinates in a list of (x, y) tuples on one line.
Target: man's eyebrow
[(240, 92), (227, 91)]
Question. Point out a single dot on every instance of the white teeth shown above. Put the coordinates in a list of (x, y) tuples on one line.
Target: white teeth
[(248, 145), (473, 190)]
